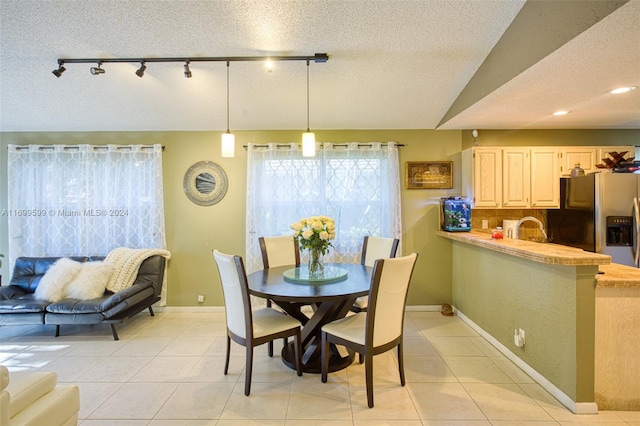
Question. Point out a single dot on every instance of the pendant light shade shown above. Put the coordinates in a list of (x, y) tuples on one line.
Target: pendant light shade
[(308, 144), (228, 144), (228, 139), (308, 138)]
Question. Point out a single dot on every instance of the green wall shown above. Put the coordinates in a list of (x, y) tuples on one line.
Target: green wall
[(553, 304), (193, 231)]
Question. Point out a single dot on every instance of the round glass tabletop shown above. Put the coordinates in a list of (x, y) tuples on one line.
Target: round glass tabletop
[(300, 275)]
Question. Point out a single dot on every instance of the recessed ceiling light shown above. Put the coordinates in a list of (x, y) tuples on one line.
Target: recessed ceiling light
[(623, 89), (561, 112)]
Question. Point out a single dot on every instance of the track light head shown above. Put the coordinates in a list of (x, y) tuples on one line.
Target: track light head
[(187, 71), (140, 71), (60, 70), (97, 70)]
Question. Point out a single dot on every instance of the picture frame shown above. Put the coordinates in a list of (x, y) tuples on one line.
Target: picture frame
[(429, 174)]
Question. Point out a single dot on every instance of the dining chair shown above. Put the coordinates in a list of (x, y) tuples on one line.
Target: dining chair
[(380, 328), (278, 251), (374, 248), (245, 326)]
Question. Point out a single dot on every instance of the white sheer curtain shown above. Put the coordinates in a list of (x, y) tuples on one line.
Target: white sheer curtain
[(83, 199), (358, 184)]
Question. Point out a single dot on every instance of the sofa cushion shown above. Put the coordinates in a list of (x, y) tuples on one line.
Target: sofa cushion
[(53, 285), (91, 282), (27, 387), (23, 305)]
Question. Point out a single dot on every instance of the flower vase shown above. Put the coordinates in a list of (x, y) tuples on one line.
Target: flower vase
[(316, 263)]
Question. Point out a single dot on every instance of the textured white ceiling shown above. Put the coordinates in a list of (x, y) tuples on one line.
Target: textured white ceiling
[(393, 65)]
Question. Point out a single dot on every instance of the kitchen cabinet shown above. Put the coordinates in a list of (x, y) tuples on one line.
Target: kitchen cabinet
[(511, 177), (586, 156), (516, 177), (603, 152), (482, 176), (545, 178)]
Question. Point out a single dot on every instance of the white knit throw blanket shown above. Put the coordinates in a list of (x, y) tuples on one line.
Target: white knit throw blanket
[(126, 262)]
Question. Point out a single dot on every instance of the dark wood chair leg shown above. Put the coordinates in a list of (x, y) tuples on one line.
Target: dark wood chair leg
[(324, 358), (57, 330), (401, 364), (113, 332), (360, 358), (248, 369), (269, 344), (226, 362), (368, 371), (151, 312)]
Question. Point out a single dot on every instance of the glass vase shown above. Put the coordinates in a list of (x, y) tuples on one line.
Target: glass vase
[(316, 263)]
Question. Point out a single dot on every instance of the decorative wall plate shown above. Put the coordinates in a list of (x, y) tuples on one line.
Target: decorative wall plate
[(205, 183)]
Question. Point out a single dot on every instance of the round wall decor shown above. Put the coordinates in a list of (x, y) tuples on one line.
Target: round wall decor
[(205, 183)]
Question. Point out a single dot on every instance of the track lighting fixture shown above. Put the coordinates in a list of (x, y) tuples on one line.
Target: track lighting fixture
[(60, 70), (97, 70), (308, 138), (318, 58), (140, 71), (228, 139)]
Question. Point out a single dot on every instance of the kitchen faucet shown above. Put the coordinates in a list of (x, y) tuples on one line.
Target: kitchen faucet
[(533, 219)]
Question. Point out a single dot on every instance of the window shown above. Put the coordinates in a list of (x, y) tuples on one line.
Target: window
[(83, 199), (356, 184)]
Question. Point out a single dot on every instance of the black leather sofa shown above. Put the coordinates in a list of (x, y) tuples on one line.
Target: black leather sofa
[(19, 307)]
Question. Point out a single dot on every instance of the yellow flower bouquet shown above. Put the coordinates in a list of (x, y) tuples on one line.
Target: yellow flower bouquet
[(315, 234)]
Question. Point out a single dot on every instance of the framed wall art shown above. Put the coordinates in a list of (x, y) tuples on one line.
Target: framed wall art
[(429, 174)]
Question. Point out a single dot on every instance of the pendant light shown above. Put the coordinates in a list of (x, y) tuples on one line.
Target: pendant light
[(308, 138), (228, 139)]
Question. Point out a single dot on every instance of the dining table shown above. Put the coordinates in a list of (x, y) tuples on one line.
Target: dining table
[(314, 302)]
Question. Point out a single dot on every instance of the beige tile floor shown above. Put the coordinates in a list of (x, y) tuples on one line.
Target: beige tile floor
[(167, 371)]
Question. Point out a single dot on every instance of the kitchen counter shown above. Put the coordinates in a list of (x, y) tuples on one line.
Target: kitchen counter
[(554, 254), (582, 348), (618, 276)]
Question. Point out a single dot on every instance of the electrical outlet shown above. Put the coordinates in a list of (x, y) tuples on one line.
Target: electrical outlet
[(485, 224), (200, 298), (518, 337)]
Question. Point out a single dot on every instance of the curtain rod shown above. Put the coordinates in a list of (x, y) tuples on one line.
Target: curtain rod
[(75, 147), (321, 145)]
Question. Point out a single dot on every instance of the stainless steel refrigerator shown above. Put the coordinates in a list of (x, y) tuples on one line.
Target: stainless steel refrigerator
[(599, 213)]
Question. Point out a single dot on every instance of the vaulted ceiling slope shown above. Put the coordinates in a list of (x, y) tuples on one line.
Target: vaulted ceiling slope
[(415, 64)]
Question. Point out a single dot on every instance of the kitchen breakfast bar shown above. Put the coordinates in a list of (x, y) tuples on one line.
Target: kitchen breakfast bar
[(580, 314)]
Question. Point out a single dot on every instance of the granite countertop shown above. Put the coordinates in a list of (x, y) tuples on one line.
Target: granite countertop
[(537, 252), (618, 276)]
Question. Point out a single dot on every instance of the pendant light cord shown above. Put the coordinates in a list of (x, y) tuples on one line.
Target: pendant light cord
[(308, 96), (228, 96)]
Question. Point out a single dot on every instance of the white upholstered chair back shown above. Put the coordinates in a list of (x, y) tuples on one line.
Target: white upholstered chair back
[(279, 251), (391, 293), (375, 248), (233, 292)]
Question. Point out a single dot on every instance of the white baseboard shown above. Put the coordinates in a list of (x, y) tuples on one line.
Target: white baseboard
[(195, 309), (413, 308), (564, 399), (423, 308)]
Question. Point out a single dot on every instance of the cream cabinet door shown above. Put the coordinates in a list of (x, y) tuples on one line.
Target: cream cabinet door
[(603, 152), (545, 180), (586, 156), (487, 177), (516, 173)]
